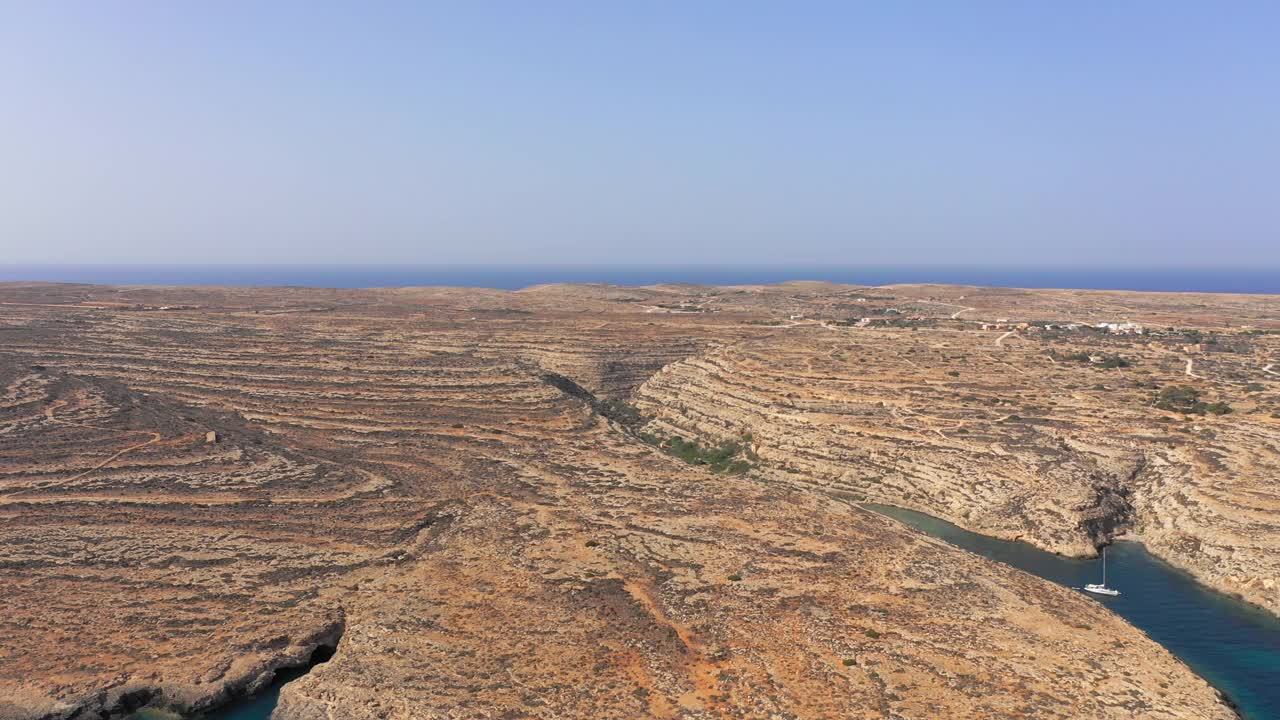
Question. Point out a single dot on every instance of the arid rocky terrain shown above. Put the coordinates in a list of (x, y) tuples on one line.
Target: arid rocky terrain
[(600, 502)]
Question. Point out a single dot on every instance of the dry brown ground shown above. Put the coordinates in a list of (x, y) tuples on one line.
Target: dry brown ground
[(400, 474)]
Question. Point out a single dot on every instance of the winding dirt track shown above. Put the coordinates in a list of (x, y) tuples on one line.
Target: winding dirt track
[(1190, 370), (155, 438), (401, 477)]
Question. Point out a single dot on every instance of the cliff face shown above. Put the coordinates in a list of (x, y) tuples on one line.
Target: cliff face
[(1214, 510), (392, 472), (143, 564), (1004, 440), (826, 409)]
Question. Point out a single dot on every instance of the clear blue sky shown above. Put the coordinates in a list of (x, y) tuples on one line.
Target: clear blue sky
[(1095, 132)]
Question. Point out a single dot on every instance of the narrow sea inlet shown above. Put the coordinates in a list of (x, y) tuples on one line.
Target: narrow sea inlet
[(1233, 645), (259, 706)]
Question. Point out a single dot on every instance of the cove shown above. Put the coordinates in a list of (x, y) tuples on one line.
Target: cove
[(258, 706), (1233, 645)]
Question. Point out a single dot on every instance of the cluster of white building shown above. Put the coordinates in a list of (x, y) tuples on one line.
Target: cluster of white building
[(1124, 328)]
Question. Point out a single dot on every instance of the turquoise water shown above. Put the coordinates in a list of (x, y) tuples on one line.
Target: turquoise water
[(259, 706), (1229, 643), (1232, 645)]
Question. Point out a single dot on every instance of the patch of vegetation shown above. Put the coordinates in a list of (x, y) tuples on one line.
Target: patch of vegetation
[(727, 458), (1186, 400), (1107, 361), (735, 577), (620, 412), (873, 634), (849, 662)]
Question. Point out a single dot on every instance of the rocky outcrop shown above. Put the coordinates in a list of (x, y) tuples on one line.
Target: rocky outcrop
[(396, 466), (1014, 445), (839, 425)]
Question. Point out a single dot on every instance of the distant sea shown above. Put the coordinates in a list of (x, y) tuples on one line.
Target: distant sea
[(512, 277)]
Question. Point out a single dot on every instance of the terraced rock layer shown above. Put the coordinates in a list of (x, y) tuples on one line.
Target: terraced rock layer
[(194, 496), (1006, 441)]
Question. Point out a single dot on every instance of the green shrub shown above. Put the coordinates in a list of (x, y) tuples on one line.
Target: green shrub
[(723, 459), (1108, 361), (1186, 400), (1179, 398), (620, 412)]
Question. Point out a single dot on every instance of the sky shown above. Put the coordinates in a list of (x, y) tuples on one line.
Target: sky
[(1090, 133)]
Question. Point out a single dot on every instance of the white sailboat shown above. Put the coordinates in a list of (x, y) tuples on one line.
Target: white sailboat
[(1102, 589)]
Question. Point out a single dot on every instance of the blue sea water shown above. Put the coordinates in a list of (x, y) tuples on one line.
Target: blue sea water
[(257, 707), (1233, 645), (261, 705), (513, 277)]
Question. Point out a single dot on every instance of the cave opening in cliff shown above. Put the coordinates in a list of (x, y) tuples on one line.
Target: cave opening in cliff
[(254, 706), (262, 703)]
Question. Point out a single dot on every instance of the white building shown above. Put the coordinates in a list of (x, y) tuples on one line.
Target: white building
[(1124, 328)]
